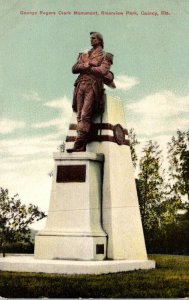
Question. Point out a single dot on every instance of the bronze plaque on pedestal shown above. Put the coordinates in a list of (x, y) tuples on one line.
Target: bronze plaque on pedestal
[(71, 173)]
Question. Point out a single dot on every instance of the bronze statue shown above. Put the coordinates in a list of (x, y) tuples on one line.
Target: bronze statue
[(93, 68)]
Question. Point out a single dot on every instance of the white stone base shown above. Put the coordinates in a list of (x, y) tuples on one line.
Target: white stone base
[(73, 229), (27, 263), (69, 247)]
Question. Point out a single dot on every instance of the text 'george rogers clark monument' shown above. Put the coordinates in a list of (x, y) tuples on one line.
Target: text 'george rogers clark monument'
[(94, 215)]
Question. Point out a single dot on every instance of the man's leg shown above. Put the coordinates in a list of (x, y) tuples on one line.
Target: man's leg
[(85, 104)]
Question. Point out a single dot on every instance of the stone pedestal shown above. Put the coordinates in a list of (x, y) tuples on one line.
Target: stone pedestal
[(73, 229), (94, 211), (121, 216)]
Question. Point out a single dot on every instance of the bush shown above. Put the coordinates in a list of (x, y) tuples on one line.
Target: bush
[(19, 247)]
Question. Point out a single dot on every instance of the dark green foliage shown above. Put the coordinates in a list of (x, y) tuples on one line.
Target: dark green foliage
[(15, 219), (178, 158), (169, 280), (133, 142), (173, 239), (185, 170), (19, 247), (150, 188), (160, 195)]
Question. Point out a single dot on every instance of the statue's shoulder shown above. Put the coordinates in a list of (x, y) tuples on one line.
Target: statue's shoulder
[(108, 56), (82, 55)]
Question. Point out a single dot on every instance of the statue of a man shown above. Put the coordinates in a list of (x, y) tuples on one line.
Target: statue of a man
[(93, 68)]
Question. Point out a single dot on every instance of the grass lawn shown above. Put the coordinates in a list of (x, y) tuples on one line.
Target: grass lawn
[(170, 279)]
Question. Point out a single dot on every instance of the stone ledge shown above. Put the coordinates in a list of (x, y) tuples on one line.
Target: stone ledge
[(24, 263), (72, 234), (78, 156)]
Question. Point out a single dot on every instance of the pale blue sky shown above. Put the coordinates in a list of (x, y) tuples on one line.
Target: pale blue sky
[(36, 55)]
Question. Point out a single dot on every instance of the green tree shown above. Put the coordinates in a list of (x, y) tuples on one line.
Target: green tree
[(133, 142), (174, 227), (62, 147), (178, 159), (15, 219), (164, 215), (185, 170), (150, 188)]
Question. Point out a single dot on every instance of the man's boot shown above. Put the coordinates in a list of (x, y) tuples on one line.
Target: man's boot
[(80, 143)]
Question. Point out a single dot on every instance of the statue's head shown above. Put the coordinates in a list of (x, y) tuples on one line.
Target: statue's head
[(99, 36)]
